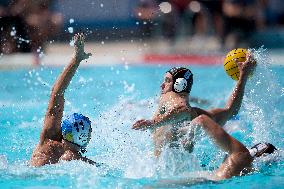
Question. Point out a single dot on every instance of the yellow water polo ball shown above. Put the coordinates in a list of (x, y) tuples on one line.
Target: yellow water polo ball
[(230, 62)]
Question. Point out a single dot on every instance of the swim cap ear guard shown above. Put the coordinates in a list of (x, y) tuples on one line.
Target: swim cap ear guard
[(261, 148), (182, 79), (76, 129)]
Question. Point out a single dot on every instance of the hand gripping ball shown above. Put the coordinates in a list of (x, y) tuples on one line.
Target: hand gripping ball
[(230, 62)]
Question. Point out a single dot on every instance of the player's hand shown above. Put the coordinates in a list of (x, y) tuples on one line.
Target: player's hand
[(79, 42), (142, 124), (246, 68)]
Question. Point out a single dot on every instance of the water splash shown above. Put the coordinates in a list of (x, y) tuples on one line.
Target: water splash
[(120, 147), (117, 145), (260, 100), (3, 162), (176, 162)]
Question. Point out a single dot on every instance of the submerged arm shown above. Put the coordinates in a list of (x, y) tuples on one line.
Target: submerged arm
[(53, 116)]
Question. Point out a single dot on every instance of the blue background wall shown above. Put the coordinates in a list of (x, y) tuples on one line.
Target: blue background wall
[(97, 13)]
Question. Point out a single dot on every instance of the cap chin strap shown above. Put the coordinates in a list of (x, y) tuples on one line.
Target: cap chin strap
[(82, 148)]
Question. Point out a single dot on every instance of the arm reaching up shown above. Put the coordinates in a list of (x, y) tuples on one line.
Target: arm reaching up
[(52, 122), (232, 107)]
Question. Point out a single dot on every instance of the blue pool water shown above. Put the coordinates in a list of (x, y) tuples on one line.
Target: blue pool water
[(114, 97)]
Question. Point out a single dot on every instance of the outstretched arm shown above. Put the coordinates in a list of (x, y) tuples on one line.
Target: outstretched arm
[(53, 116), (173, 115), (232, 107)]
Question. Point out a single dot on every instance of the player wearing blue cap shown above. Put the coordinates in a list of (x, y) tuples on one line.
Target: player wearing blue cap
[(67, 139), (175, 112)]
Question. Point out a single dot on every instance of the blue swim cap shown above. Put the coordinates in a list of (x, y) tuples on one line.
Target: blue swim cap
[(76, 128)]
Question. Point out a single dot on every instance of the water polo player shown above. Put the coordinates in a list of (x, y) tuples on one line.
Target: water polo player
[(171, 124), (237, 162), (67, 139), (239, 158)]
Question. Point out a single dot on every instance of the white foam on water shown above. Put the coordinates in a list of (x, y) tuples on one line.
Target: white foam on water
[(260, 101), (3, 162), (263, 163), (81, 173), (174, 162), (117, 144), (131, 151)]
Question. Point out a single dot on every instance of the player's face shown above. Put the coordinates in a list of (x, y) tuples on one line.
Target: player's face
[(167, 84)]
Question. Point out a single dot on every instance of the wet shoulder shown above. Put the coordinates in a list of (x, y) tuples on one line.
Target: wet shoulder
[(47, 153)]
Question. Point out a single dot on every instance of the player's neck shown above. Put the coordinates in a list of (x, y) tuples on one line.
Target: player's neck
[(69, 146)]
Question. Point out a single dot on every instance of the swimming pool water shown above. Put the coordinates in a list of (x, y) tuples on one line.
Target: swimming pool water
[(114, 97)]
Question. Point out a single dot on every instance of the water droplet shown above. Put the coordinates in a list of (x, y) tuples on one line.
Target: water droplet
[(126, 67), (70, 29), (13, 33), (41, 54), (71, 43), (71, 20)]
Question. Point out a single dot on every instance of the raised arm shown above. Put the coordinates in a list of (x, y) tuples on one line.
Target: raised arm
[(232, 107), (53, 116)]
